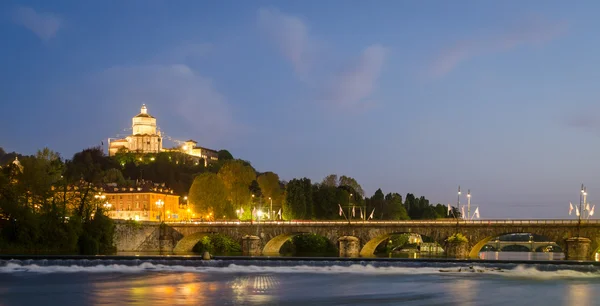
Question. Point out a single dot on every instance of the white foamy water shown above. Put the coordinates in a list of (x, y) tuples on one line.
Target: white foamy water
[(291, 282), (520, 271)]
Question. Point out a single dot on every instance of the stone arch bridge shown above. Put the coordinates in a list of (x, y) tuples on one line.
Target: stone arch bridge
[(579, 239)]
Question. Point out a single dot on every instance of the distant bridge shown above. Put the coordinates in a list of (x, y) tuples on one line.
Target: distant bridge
[(269, 236), (531, 246)]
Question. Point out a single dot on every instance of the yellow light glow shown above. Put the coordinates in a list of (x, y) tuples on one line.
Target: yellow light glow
[(188, 210), (185, 147), (137, 218)]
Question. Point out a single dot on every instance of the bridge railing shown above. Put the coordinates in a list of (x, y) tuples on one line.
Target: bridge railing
[(386, 222)]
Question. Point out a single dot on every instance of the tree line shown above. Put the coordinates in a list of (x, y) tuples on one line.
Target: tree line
[(39, 213)]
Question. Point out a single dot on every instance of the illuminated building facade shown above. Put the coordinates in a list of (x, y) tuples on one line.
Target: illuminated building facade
[(144, 139), (143, 203)]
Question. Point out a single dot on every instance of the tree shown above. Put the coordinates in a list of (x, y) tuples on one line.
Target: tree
[(85, 171), (397, 210), (209, 195), (298, 199), (270, 187), (351, 182), (224, 155), (330, 180), (255, 190), (377, 201), (237, 176), (325, 201)]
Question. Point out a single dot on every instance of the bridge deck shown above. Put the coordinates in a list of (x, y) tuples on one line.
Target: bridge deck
[(376, 223)]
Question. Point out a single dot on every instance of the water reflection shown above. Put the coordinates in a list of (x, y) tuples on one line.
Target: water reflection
[(578, 294), (464, 291), (185, 289), (521, 256)]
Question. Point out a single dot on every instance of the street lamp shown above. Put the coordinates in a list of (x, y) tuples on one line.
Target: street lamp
[(349, 206), (160, 204), (458, 201), (469, 204)]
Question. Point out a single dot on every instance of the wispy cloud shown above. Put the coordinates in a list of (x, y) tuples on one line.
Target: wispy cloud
[(350, 86), (44, 25), (533, 31), (291, 35)]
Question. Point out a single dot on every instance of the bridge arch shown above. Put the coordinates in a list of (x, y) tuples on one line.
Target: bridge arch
[(368, 250), (552, 240), (187, 243), (274, 245)]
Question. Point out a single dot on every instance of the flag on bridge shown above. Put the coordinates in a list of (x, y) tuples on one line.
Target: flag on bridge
[(341, 210), (279, 213), (361, 214), (241, 210), (353, 212), (253, 212), (592, 211), (587, 206), (449, 210), (372, 212), (577, 211), (476, 213), (570, 208), (462, 212)]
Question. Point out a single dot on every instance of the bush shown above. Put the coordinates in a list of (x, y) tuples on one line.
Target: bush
[(394, 242), (457, 238), (308, 244), (88, 245), (217, 244)]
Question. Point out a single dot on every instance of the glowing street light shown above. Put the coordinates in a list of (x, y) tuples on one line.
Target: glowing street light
[(469, 204), (160, 204), (271, 209)]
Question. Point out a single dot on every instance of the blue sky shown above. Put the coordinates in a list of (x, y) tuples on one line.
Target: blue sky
[(408, 96)]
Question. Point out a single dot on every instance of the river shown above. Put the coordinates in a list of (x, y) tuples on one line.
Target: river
[(188, 281)]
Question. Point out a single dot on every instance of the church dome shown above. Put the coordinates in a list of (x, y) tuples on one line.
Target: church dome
[(143, 112)]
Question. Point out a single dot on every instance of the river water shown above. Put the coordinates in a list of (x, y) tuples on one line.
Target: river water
[(295, 282)]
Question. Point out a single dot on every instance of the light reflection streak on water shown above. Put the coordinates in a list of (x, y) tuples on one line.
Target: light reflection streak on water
[(464, 291), (578, 294), (185, 289)]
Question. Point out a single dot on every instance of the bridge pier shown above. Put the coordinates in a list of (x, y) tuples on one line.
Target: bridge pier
[(578, 248), (457, 249), (349, 246), (251, 246)]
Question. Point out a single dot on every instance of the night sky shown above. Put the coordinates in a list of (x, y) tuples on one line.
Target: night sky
[(500, 97)]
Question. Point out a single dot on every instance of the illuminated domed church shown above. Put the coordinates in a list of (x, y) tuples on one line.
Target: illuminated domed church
[(144, 139)]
